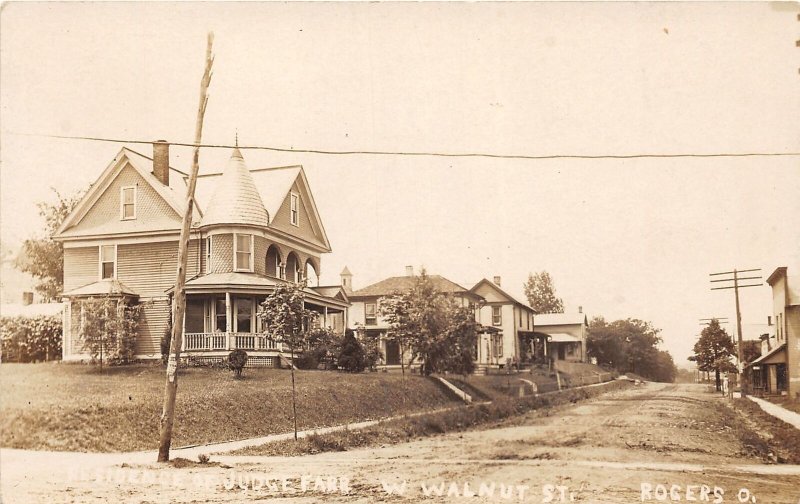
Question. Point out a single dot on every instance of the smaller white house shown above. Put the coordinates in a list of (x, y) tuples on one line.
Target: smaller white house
[(563, 335)]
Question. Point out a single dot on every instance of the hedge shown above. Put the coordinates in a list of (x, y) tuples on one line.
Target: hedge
[(31, 339)]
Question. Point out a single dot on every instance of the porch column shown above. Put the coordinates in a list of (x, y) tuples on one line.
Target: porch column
[(325, 316), (228, 324), (183, 326)]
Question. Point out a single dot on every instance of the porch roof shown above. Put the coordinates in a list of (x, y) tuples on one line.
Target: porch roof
[(776, 356), (249, 282), (563, 338), (105, 287)]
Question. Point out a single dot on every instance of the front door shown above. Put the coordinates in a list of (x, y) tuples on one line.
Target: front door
[(561, 355), (392, 352)]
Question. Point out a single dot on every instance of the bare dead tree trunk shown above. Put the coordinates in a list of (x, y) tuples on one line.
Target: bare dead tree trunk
[(179, 299)]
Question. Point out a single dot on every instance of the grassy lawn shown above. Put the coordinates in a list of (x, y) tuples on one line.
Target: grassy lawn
[(74, 407), (501, 410)]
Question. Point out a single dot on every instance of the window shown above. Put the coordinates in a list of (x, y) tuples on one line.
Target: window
[(221, 315), (244, 314), (371, 314), (244, 252), (282, 271), (108, 260), (294, 211), (208, 254), (497, 315), (498, 346), (127, 203)]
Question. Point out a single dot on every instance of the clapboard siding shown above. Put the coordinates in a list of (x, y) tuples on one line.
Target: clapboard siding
[(152, 323), (80, 267), (149, 269)]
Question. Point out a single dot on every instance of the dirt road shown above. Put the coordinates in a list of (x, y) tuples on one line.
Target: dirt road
[(654, 443)]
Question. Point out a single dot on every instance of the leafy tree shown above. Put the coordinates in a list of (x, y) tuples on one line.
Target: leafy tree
[(321, 346), (432, 327), (462, 339), (43, 257), (751, 350), (108, 329), (541, 293), (663, 368), (286, 319), (352, 357), (714, 351), (630, 345)]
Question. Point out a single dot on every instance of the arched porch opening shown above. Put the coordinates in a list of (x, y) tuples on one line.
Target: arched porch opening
[(274, 262)]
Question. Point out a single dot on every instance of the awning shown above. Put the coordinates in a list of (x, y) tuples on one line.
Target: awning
[(563, 338), (776, 356)]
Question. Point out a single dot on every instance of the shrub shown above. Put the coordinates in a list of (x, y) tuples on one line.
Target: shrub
[(306, 360), (108, 329), (352, 357), (236, 361), (25, 339)]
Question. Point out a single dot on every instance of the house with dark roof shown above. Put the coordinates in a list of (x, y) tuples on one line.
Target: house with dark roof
[(365, 315), (252, 230)]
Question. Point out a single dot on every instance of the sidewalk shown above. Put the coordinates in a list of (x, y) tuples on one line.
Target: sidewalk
[(779, 412)]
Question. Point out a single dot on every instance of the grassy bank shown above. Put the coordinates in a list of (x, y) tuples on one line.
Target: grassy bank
[(768, 435), (407, 429), (76, 408)]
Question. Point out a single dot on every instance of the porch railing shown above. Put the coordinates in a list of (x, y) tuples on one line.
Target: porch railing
[(229, 341)]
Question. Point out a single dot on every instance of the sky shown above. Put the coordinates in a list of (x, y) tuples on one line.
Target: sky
[(621, 238)]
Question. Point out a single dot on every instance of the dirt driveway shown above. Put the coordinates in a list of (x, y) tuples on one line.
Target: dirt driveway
[(653, 443)]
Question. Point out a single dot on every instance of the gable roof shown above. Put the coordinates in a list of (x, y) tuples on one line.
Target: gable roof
[(235, 199), (393, 285), (263, 190), (503, 293), (174, 194), (331, 291), (552, 319)]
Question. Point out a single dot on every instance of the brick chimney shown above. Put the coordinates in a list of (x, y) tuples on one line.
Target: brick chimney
[(409, 271), (769, 320), (27, 298), (161, 161), (580, 309), (497, 280)]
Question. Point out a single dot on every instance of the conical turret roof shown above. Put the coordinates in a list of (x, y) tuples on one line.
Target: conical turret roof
[(235, 199)]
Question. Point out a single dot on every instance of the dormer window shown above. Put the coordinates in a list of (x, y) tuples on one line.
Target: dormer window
[(108, 261), (127, 203), (294, 210), (244, 252)]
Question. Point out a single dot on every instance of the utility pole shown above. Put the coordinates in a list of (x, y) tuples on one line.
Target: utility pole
[(707, 321), (736, 286), (179, 296)]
